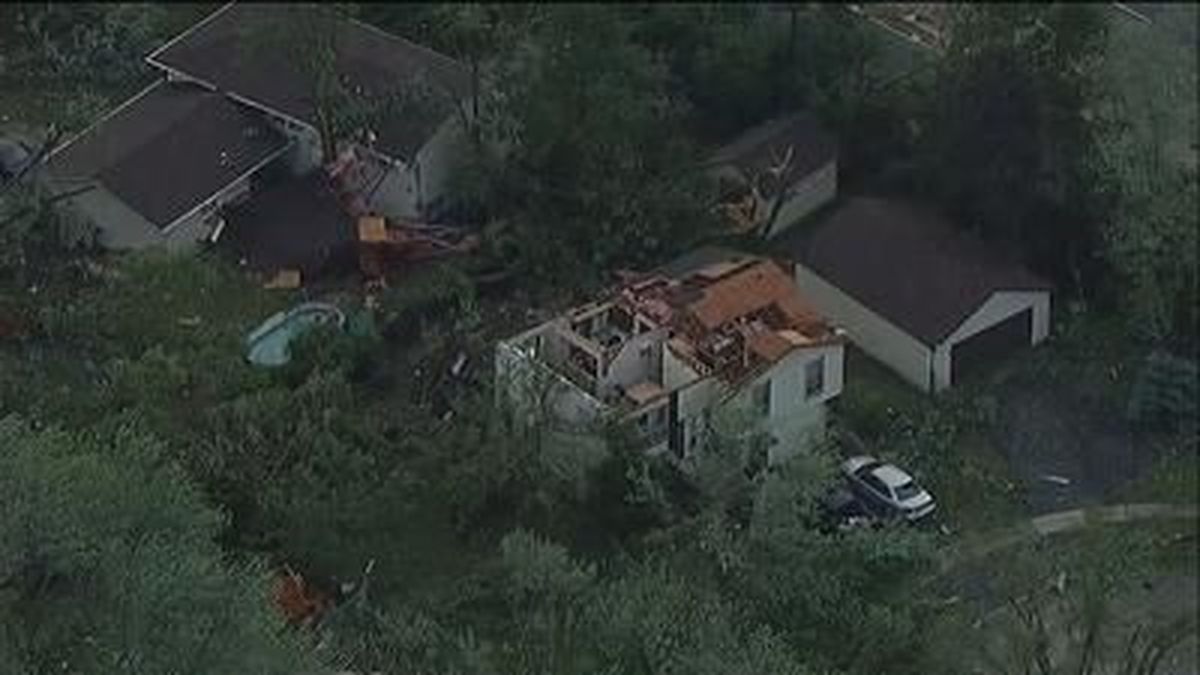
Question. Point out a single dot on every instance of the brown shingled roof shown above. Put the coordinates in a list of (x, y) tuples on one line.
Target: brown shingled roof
[(168, 150), (747, 291), (226, 51), (907, 264)]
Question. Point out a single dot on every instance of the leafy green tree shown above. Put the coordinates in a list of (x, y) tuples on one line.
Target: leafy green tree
[(311, 38), (85, 43), (1009, 140), (108, 563), (594, 172), (1063, 605), (1150, 159)]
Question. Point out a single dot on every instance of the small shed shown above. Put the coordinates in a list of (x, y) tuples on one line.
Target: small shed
[(927, 299), (776, 173)]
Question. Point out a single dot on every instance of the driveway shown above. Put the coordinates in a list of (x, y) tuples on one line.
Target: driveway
[(1064, 451)]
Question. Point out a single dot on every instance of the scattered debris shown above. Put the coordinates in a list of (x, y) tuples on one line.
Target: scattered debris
[(383, 245), (301, 604), (12, 325), (460, 363), (1060, 583), (283, 279)]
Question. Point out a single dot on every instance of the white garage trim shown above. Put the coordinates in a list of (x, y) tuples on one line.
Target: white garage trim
[(806, 196), (872, 333), (1000, 306)]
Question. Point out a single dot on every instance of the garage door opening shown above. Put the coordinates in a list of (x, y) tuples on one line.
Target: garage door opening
[(982, 352)]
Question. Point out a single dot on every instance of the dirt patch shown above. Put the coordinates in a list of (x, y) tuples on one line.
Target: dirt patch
[(1066, 452)]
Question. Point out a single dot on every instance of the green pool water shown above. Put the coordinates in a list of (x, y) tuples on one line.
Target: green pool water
[(268, 344)]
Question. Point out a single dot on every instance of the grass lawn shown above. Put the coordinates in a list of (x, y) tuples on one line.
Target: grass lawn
[(1175, 478), (1157, 63), (1149, 572), (27, 107), (979, 494)]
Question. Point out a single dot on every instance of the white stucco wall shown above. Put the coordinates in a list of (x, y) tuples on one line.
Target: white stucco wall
[(1002, 305), (875, 335), (808, 195)]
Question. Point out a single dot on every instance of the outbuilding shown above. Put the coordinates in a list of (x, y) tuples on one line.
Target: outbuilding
[(928, 300), (776, 173)]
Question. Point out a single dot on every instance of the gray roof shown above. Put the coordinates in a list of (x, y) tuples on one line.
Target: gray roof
[(239, 50), (700, 258), (768, 144), (907, 264), (168, 150)]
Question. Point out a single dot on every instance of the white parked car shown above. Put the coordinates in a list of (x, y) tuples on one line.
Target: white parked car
[(887, 490)]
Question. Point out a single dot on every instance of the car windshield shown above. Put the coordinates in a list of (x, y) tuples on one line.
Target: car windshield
[(868, 468), (907, 491)]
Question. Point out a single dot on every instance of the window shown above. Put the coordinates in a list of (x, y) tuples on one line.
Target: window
[(814, 377), (762, 398), (907, 491), (877, 485)]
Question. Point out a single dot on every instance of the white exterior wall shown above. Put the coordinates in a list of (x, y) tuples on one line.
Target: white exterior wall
[(410, 188), (875, 335), (694, 394), (639, 360), (796, 422), (305, 153), (693, 402), (437, 161), (676, 373), (793, 420), (122, 228), (810, 194), (396, 195), (523, 381), (1002, 305)]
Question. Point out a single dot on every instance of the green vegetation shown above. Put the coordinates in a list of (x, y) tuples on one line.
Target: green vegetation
[(110, 563), (150, 475), (1104, 599), (948, 442)]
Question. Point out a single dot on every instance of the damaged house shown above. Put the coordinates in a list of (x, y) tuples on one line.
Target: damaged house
[(234, 119), (663, 351)]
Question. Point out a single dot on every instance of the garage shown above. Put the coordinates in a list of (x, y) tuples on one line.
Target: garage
[(918, 293), (982, 351)]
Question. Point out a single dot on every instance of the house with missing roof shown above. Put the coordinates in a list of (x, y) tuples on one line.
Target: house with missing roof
[(232, 117), (928, 300), (776, 173), (664, 351)]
